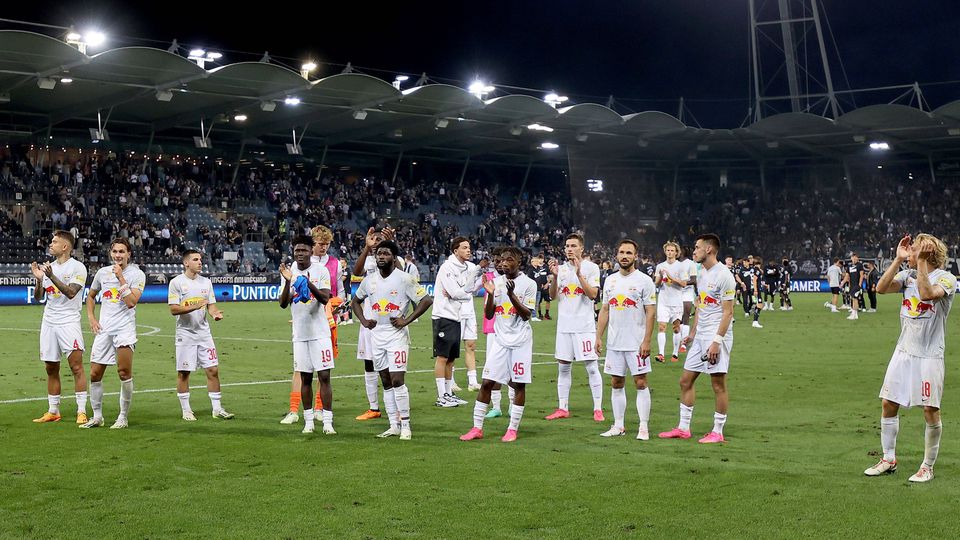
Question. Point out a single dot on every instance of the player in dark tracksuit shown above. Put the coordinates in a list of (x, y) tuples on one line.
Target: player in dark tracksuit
[(785, 286), (771, 282), (745, 279)]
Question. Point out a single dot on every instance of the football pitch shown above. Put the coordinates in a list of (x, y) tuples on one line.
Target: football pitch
[(803, 425)]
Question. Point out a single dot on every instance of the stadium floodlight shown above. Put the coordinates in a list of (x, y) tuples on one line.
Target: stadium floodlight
[(359, 114), (73, 38), (268, 106), (214, 56), (46, 83), (164, 95), (595, 184), (240, 118), (554, 100), (95, 38), (549, 146), (293, 101), (201, 56), (307, 68), (399, 81), (879, 146), (540, 127), (66, 80), (480, 88), (197, 53)]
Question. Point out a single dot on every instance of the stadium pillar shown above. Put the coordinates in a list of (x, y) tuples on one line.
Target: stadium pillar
[(846, 173), (933, 172), (236, 166), (526, 175), (676, 174), (763, 181), (323, 161), (396, 167), (149, 148), (463, 173)]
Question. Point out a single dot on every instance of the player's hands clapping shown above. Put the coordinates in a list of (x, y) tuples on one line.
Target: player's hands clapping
[(488, 285), (37, 271), (285, 272), (510, 286), (389, 233), (554, 266), (903, 248), (371, 239)]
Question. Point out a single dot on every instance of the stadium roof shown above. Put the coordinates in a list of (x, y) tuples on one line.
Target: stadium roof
[(146, 94)]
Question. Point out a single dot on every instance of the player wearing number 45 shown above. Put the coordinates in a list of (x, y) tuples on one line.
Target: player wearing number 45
[(387, 293), (510, 301), (710, 340), (915, 373), (190, 297), (306, 289), (629, 309)]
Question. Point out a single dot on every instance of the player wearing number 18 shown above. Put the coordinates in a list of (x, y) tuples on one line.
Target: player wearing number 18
[(511, 299), (629, 309), (190, 297), (387, 293), (915, 373), (710, 340)]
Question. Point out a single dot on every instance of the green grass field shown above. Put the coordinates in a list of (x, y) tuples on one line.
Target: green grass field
[(803, 424)]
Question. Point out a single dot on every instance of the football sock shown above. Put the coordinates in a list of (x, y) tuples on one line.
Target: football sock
[(511, 393), (516, 414), (643, 405), (81, 402), (661, 342), (390, 404), (126, 395), (294, 402), (472, 377), (888, 437), (402, 395), (370, 384), (327, 417), (96, 398), (53, 404), (308, 418), (448, 385), (441, 387), (676, 343), (564, 381), (684, 331), (479, 413), (618, 398), (718, 421), (596, 383), (215, 400), (686, 414), (495, 397), (931, 440), (184, 398)]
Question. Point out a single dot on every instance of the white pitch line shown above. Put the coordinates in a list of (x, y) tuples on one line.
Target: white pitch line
[(252, 383)]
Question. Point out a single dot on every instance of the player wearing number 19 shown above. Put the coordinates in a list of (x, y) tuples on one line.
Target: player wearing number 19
[(629, 309), (190, 297), (387, 293), (306, 288), (511, 299)]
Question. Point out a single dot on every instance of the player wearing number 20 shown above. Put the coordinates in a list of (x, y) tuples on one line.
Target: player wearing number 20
[(190, 297), (511, 298), (387, 293)]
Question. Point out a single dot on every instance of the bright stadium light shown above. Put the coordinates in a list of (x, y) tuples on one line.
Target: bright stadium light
[(400, 80), (197, 53), (214, 56), (540, 127), (549, 146), (92, 38), (554, 99), (95, 38), (879, 146), (73, 37), (240, 118), (480, 88), (292, 101), (307, 68), (66, 80), (594, 184)]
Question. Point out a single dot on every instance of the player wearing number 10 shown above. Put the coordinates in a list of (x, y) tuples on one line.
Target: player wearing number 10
[(510, 301), (190, 297), (388, 292)]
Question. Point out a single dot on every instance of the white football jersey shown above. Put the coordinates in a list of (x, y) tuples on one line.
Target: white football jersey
[(58, 309), (670, 294), (574, 307), (625, 298), (389, 297), (715, 285), (192, 328), (115, 316), (511, 330), (310, 317), (923, 323)]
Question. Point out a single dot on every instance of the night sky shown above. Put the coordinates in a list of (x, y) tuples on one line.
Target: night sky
[(646, 53)]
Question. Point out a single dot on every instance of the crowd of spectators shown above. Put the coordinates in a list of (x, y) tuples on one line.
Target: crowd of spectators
[(99, 196)]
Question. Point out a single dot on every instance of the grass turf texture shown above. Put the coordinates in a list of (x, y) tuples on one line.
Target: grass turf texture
[(803, 424)]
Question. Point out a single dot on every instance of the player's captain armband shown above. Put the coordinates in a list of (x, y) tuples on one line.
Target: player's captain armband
[(948, 282), (78, 279), (421, 290), (730, 292), (530, 302)]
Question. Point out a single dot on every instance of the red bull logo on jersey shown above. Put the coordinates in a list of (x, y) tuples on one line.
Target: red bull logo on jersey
[(621, 302), (707, 300), (52, 291), (916, 308), (110, 295), (572, 291), (505, 310), (385, 307)]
